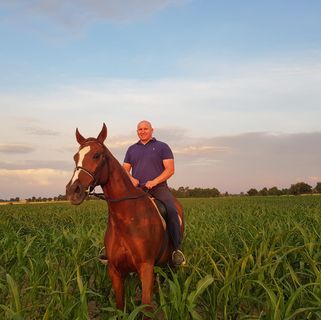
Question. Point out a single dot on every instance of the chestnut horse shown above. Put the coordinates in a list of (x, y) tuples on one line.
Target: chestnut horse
[(135, 239)]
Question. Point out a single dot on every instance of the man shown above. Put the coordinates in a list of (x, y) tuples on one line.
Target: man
[(149, 163)]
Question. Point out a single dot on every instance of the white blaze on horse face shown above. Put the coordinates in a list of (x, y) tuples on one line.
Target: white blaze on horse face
[(82, 154)]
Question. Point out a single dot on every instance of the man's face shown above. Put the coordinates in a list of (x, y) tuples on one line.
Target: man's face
[(144, 131)]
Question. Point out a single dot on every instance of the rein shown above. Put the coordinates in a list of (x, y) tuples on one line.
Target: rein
[(102, 197)]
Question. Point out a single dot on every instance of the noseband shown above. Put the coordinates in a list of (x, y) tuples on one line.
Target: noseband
[(91, 186), (86, 171)]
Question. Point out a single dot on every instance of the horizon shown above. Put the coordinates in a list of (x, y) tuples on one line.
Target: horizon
[(242, 193)]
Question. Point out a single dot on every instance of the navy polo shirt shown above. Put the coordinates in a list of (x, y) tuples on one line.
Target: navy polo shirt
[(147, 159)]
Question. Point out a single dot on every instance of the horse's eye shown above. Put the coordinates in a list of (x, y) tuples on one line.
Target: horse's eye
[(96, 156)]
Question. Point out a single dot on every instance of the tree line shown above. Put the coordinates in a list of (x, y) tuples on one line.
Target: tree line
[(295, 189), (186, 192), (36, 199)]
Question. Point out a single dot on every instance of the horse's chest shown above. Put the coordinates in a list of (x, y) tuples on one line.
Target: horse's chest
[(121, 253)]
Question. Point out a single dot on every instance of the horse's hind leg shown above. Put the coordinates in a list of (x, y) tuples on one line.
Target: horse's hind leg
[(146, 274), (117, 281)]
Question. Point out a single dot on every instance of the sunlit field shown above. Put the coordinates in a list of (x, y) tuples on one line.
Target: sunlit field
[(248, 258)]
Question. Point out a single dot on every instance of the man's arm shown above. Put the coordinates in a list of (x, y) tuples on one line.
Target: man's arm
[(166, 174), (127, 167)]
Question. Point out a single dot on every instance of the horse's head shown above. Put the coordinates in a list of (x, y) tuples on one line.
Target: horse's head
[(89, 171)]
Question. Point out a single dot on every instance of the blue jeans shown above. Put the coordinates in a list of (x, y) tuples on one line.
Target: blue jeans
[(163, 194)]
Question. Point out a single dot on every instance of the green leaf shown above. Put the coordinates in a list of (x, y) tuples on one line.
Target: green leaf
[(200, 287), (15, 292)]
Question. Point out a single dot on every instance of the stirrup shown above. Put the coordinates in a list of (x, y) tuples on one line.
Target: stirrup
[(178, 258)]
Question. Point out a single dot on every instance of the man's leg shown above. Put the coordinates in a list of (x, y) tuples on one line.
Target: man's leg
[(163, 194)]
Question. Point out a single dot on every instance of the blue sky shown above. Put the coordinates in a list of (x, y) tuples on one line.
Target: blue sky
[(232, 86)]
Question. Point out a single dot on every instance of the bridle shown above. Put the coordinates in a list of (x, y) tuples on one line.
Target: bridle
[(86, 171), (91, 188), (93, 174)]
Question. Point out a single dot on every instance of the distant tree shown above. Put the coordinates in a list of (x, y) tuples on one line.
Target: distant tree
[(300, 188), (181, 192), (199, 192), (62, 197), (252, 192), (215, 192), (318, 187), (263, 192), (274, 191)]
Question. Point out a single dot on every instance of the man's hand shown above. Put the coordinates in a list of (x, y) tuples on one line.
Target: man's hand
[(134, 181), (150, 184)]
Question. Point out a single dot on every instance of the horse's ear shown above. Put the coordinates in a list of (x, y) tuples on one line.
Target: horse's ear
[(103, 134), (79, 137)]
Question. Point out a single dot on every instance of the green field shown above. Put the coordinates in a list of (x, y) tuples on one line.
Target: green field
[(248, 258)]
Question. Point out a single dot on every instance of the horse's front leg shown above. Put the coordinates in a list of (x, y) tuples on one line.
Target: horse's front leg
[(117, 281), (146, 274)]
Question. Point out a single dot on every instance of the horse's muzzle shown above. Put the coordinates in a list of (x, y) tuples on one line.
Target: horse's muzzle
[(76, 193)]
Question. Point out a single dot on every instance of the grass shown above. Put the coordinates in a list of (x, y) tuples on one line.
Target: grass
[(248, 258)]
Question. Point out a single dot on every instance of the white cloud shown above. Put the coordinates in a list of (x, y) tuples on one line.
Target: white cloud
[(32, 182), (40, 177), (264, 97)]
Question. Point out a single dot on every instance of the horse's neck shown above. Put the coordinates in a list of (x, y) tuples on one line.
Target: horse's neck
[(118, 184)]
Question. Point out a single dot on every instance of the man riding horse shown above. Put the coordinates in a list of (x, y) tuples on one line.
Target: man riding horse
[(149, 164), (136, 237)]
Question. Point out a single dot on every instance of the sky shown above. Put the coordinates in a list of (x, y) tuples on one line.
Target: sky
[(232, 86)]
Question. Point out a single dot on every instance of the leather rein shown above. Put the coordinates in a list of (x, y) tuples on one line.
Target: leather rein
[(102, 196)]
